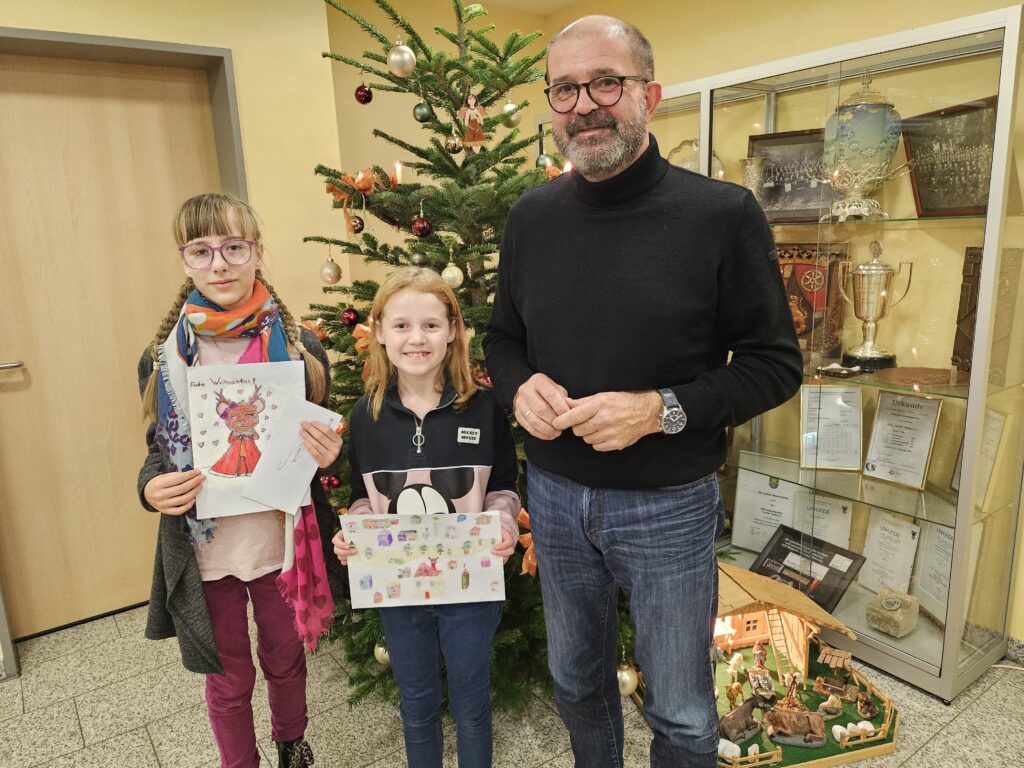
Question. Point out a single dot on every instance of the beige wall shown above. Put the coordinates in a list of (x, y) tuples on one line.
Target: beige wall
[(285, 104)]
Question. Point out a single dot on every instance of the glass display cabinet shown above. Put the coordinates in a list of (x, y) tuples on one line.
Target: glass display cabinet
[(889, 488)]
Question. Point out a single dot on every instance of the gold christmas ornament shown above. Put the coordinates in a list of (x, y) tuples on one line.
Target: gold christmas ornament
[(380, 653), (628, 678)]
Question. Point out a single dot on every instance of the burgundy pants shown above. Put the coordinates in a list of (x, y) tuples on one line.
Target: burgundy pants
[(282, 658)]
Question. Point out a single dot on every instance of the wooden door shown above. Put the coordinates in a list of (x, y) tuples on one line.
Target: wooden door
[(95, 157)]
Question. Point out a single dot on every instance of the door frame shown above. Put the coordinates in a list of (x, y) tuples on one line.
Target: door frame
[(217, 64)]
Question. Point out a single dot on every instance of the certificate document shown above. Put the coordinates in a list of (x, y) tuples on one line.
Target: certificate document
[(991, 437), (763, 503), (830, 427), (424, 559), (932, 571), (902, 438), (890, 547), (824, 517)]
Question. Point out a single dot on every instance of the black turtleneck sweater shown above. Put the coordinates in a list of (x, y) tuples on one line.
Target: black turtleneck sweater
[(647, 280)]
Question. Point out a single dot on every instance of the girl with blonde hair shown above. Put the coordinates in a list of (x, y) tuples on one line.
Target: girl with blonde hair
[(426, 440)]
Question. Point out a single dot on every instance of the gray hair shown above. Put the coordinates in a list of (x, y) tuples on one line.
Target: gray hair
[(635, 39)]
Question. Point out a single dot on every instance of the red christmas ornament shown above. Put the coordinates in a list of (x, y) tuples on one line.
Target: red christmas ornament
[(363, 94), (421, 226), (349, 317), (335, 481), (325, 483)]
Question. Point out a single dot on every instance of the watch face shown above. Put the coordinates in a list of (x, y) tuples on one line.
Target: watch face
[(673, 420)]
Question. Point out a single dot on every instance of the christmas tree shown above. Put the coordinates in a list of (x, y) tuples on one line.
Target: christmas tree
[(453, 225)]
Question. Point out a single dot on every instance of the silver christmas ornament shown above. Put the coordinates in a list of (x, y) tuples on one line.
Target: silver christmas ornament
[(380, 653), (452, 275), (401, 60), (629, 679), (512, 117), (330, 272)]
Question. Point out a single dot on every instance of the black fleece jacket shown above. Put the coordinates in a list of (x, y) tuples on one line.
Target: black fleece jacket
[(647, 280)]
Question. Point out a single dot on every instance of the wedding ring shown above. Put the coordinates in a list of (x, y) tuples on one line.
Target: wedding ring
[(527, 414)]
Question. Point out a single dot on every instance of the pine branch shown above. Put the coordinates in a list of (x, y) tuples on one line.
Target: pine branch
[(401, 23), (367, 27)]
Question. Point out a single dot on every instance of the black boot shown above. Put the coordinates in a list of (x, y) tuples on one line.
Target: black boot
[(294, 754)]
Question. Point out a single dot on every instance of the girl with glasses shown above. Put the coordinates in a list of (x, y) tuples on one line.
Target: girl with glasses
[(207, 570)]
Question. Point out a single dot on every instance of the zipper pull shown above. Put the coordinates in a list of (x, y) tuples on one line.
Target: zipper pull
[(418, 438)]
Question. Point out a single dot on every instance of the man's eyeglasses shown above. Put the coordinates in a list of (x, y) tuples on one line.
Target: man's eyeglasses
[(605, 91), (200, 256)]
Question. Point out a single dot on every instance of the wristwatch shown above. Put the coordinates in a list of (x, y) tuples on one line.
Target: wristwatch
[(673, 417)]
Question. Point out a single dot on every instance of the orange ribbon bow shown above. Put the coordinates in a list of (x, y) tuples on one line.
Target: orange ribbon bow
[(526, 539), (365, 182)]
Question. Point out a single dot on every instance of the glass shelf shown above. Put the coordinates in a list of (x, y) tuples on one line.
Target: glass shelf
[(958, 391), (897, 222), (933, 505)]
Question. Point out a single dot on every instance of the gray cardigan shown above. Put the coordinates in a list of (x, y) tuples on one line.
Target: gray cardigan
[(177, 605)]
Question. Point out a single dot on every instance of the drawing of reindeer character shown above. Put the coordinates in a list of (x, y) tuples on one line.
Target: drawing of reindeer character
[(241, 418)]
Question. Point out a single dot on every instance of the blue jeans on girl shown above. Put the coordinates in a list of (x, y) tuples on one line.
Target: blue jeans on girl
[(417, 638), (658, 546)]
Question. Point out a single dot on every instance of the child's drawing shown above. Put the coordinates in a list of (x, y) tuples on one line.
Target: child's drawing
[(242, 418)]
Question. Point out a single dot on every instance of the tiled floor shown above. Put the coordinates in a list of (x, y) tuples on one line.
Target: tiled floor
[(101, 695)]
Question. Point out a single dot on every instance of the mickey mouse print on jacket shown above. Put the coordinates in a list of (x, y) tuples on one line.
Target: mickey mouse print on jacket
[(450, 461)]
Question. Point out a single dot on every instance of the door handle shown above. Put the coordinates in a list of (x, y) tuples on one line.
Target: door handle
[(11, 366)]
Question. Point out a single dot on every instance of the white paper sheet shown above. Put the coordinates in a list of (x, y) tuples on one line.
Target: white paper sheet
[(763, 503), (281, 479), (890, 548), (250, 397), (424, 559), (824, 517)]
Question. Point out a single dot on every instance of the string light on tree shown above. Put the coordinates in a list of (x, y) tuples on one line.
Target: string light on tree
[(401, 60)]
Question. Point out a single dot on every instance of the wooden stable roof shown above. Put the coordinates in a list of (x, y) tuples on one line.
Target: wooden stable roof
[(741, 591)]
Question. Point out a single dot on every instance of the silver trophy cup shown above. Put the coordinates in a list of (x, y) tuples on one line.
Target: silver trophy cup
[(872, 299)]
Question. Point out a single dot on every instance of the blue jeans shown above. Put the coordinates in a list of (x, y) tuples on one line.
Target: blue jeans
[(417, 638), (658, 546)]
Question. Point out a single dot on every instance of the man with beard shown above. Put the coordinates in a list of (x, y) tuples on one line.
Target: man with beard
[(623, 289)]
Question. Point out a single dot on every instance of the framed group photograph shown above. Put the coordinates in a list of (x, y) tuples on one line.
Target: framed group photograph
[(950, 152), (791, 188), (810, 273)]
